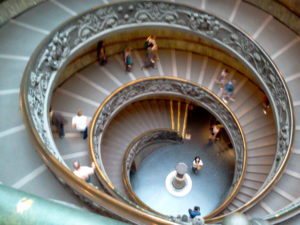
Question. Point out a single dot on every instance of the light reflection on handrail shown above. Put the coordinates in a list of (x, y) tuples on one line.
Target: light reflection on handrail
[(46, 64), (183, 89)]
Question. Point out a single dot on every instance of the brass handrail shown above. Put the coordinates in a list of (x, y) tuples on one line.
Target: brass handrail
[(178, 116), (75, 34), (76, 184), (185, 120), (125, 177), (172, 115), (121, 90)]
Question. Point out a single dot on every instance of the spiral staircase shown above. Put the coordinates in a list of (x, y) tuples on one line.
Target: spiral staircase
[(22, 167)]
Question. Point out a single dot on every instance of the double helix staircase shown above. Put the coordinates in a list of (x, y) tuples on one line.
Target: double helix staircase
[(86, 89), (141, 117)]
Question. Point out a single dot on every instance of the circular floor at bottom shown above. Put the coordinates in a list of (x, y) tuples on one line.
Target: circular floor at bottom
[(210, 185)]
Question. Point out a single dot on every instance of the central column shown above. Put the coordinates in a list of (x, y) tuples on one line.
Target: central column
[(179, 181)]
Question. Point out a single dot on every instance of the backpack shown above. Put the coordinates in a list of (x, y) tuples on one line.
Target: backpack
[(146, 45)]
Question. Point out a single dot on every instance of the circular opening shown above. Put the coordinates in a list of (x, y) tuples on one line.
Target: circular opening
[(152, 173)]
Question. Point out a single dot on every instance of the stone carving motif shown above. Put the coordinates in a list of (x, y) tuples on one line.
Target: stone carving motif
[(148, 139), (203, 22), (62, 44), (108, 17), (38, 84), (148, 11), (91, 23)]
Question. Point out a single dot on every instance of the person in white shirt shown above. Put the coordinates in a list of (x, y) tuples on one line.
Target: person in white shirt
[(197, 164), (83, 172), (80, 122)]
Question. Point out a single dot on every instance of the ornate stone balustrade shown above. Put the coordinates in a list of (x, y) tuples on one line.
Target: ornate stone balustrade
[(144, 141), (167, 86), (66, 42), (140, 146)]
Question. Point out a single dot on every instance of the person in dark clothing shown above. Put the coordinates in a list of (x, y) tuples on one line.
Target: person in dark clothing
[(195, 212), (101, 55), (58, 121), (151, 40), (266, 104), (127, 59), (149, 61)]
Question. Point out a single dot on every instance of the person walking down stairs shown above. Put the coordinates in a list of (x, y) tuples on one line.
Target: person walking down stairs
[(265, 105), (152, 40), (149, 61), (80, 123), (216, 128), (101, 54), (58, 121), (83, 172), (128, 59), (222, 79), (228, 91)]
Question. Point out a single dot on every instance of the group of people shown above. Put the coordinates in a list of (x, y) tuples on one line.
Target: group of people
[(151, 56), (227, 87), (197, 166), (150, 60), (80, 123)]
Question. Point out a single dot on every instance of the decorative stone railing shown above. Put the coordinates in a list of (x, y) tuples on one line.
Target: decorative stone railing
[(65, 43), (145, 140), (166, 39), (167, 86), (139, 148)]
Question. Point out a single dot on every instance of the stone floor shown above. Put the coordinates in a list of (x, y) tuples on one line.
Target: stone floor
[(210, 185)]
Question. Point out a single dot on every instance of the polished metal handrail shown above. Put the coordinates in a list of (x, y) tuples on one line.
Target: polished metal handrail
[(65, 42), (135, 147), (170, 86)]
